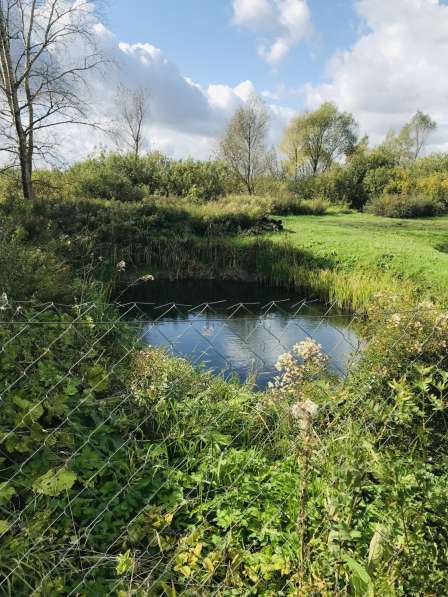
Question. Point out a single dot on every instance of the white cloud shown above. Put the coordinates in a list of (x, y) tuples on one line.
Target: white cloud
[(185, 118), (255, 14), (397, 66), (287, 23)]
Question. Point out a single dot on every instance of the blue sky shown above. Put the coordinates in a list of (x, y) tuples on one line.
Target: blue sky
[(201, 38), (381, 60)]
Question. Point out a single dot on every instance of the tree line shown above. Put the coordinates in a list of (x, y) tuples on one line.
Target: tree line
[(40, 93)]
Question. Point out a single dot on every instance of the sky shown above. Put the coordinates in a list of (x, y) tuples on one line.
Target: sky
[(200, 60)]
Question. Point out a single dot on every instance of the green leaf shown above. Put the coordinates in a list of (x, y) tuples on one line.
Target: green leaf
[(125, 563), (6, 493), (360, 580), (4, 526), (376, 548), (97, 378), (33, 411), (55, 482)]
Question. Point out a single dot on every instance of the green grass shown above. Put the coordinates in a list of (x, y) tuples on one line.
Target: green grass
[(414, 250)]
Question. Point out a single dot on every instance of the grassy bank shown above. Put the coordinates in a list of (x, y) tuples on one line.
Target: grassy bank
[(401, 250), (51, 249), (345, 258), (127, 471)]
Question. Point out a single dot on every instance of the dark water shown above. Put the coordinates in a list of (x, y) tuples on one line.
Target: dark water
[(239, 328)]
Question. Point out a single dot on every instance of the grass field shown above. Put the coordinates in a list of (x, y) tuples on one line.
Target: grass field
[(403, 249)]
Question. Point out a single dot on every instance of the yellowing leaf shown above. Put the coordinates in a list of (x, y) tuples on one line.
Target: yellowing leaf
[(125, 563), (208, 564), (55, 482), (186, 571)]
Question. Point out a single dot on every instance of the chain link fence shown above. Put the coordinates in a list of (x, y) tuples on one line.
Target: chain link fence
[(96, 443)]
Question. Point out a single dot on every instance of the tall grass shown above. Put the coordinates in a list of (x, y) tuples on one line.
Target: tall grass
[(269, 263)]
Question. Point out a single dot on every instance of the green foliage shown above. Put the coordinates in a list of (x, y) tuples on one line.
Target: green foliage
[(295, 206), (312, 142), (127, 178), (127, 471), (370, 174), (402, 206)]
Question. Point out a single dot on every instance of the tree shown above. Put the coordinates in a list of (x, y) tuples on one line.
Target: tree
[(133, 110), (291, 148), (411, 140), (243, 145), (46, 48), (314, 140)]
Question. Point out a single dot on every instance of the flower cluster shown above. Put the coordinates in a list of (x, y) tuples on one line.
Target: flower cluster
[(305, 359), (304, 413), (4, 302)]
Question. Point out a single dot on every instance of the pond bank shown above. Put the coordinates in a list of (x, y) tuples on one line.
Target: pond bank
[(271, 263)]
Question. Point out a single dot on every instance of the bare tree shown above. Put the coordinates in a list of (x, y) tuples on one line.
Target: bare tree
[(46, 48), (243, 145), (132, 106)]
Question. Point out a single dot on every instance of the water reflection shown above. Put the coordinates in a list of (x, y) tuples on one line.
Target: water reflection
[(242, 329)]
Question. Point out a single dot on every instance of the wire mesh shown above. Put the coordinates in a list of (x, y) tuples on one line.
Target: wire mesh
[(62, 370)]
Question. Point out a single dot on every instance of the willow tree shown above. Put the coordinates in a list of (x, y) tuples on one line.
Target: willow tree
[(313, 141), (413, 137), (243, 145), (46, 48)]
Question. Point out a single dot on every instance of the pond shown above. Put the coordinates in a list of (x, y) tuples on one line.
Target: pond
[(239, 328)]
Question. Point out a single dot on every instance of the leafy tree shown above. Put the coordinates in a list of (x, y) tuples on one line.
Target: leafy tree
[(411, 140), (291, 148), (312, 142), (243, 145)]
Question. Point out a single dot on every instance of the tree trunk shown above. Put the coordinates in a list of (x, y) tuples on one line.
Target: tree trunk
[(26, 171)]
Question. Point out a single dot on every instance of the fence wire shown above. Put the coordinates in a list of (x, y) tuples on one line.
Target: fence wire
[(62, 369)]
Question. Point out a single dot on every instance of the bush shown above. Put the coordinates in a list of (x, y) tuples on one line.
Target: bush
[(330, 186), (404, 206), (125, 178), (435, 187), (299, 207)]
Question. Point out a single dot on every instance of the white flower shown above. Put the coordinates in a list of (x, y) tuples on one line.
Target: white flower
[(304, 413), (309, 350), (305, 410), (144, 279), (121, 266), (4, 303)]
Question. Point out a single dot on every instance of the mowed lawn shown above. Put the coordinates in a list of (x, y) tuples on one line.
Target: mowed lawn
[(412, 249)]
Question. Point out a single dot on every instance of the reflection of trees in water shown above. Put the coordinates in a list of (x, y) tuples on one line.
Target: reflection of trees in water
[(247, 341), (246, 332)]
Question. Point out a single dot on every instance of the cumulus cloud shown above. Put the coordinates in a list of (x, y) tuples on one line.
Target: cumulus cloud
[(285, 22), (255, 14), (185, 118), (397, 66)]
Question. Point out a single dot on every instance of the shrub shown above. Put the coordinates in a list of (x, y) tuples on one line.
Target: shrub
[(296, 206), (435, 187), (125, 178), (106, 177), (404, 206), (330, 186)]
